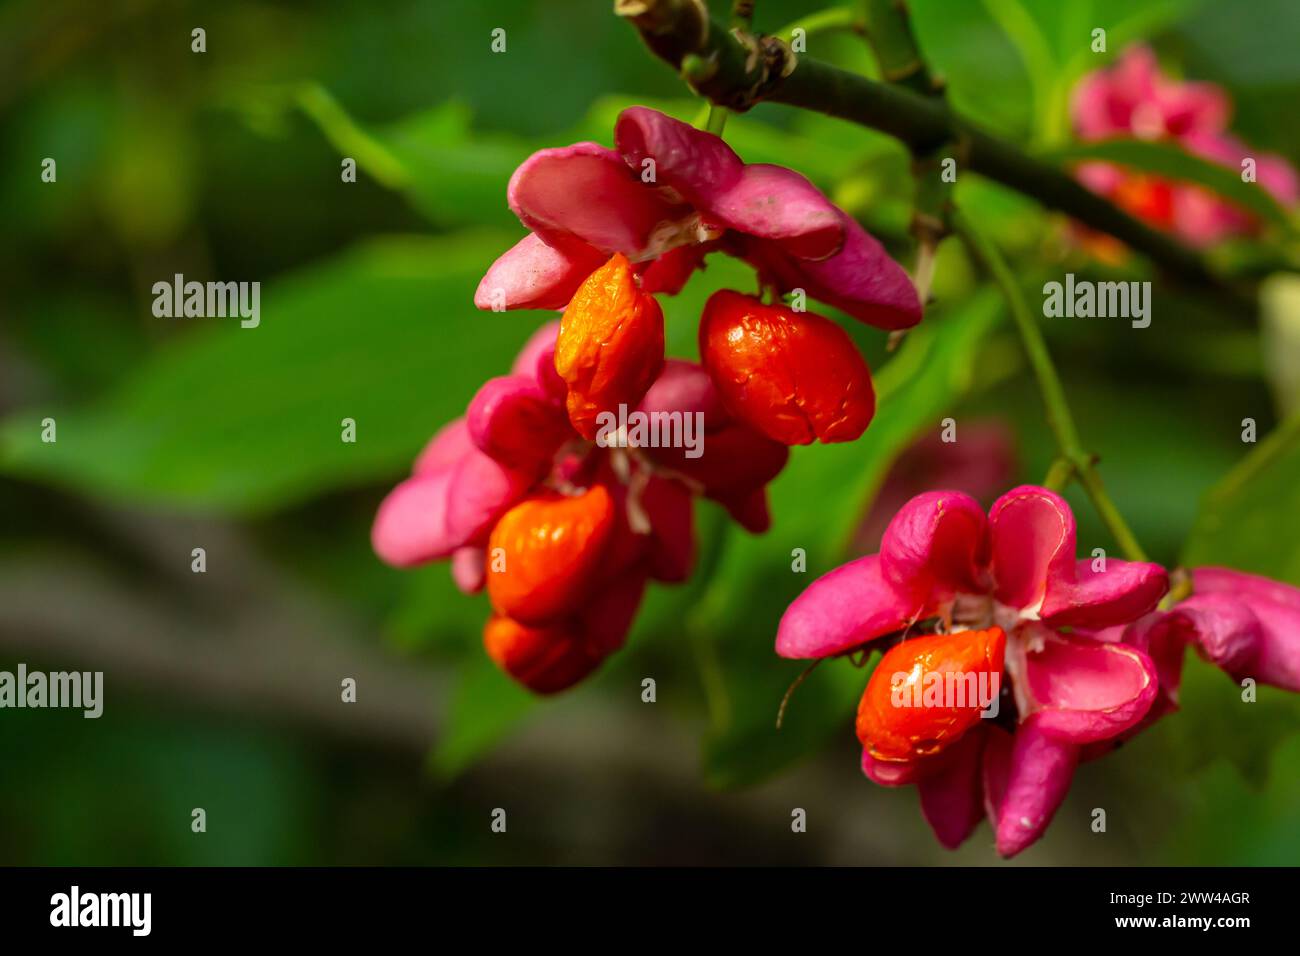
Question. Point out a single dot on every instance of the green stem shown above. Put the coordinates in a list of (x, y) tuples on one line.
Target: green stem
[(1110, 516), (1059, 416), (888, 29), (1059, 474), (717, 120), (1023, 32)]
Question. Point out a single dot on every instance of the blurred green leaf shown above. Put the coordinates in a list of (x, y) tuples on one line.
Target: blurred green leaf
[(751, 749), (1213, 723), (1035, 52), (486, 705), (247, 420), (986, 79), (171, 764), (452, 175), (1256, 51), (1230, 822), (1279, 297), (1054, 43), (1174, 163), (1251, 519), (1011, 64), (433, 614)]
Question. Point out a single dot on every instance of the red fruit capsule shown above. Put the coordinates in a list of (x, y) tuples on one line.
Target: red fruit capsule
[(926, 692), (794, 376), (545, 553), (611, 344)]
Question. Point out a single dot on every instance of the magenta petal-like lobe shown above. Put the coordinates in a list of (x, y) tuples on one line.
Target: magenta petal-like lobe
[(515, 422), (534, 275), (1086, 690), (952, 796), (1104, 101), (587, 192), (696, 164), (451, 500), (540, 343), (1032, 535), (449, 445), (670, 508), (861, 279), (749, 509), (1222, 628), (1026, 783), (536, 360), (1274, 606), (607, 619), (776, 218), (934, 546), (772, 202), (685, 387), (889, 773), (1164, 639), (469, 569), (1249, 588), (481, 491), (671, 270), (1133, 99), (411, 524), (841, 610), (1123, 592)]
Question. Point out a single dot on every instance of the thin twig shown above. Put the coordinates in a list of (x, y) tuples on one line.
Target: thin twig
[(1059, 416)]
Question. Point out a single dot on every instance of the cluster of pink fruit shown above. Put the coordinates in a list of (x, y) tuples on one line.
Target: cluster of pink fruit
[(565, 531)]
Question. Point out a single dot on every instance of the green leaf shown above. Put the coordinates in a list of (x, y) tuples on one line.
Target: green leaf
[(1054, 42), (1174, 163), (247, 420), (1251, 519)]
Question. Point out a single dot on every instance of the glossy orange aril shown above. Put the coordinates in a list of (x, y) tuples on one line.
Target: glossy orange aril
[(552, 548), (611, 344), (920, 714), (794, 376), (543, 659)]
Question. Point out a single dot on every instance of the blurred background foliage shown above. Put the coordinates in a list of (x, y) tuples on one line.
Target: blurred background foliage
[(223, 689)]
